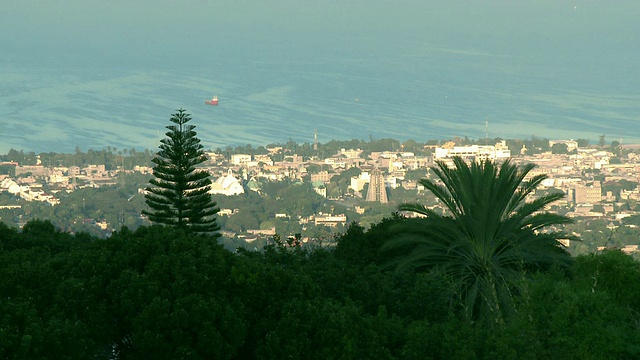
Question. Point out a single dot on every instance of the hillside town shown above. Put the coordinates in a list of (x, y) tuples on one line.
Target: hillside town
[(581, 173)]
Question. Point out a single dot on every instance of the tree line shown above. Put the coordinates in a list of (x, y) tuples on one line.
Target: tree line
[(160, 292)]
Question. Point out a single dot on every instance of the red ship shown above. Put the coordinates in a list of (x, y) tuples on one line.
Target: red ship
[(213, 101)]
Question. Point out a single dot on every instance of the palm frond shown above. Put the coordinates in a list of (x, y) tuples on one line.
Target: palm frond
[(491, 237)]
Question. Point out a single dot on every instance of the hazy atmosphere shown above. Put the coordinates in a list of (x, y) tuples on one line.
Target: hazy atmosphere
[(368, 179), (110, 73)]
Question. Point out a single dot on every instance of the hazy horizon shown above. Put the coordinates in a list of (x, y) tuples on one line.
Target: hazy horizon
[(95, 74)]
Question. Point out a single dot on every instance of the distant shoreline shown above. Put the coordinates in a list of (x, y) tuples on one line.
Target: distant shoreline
[(478, 141)]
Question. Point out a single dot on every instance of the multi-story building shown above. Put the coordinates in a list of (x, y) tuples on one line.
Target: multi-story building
[(498, 152), (330, 220), (587, 194), (351, 153), (357, 183), (240, 159), (323, 176), (35, 170)]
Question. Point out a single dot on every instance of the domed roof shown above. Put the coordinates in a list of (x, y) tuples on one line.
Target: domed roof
[(227, 181), (227, 185)]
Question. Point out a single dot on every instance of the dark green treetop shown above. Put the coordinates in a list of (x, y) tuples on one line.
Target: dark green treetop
[(180, 195)]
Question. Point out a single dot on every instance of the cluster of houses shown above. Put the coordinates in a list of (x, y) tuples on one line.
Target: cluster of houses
[(29, 181), (579, 174), (26, 191)]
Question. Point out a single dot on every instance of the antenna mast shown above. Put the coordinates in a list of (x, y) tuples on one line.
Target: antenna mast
[(486, 132), (315, 139)]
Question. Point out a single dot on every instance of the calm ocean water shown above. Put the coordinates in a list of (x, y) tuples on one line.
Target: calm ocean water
[(272, 91)]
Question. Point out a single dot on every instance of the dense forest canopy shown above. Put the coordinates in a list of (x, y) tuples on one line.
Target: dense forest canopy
[(160, 293)]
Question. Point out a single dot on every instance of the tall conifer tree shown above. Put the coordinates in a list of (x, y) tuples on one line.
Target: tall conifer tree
[(180, 195)]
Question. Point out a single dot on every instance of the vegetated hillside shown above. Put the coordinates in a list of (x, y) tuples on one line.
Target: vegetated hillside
[(160, 293), (121, 204)]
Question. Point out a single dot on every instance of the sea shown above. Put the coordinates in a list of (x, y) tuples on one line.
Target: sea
[(277, 86)]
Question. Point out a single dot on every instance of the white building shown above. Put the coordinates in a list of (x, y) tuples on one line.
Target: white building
[(27, 192), (330, 220), (498, 152), (351, 153), (357, 183), (240, 159), (227, 185), (58, 178)]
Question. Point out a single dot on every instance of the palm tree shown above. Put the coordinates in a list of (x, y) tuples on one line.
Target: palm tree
[(488, 237)]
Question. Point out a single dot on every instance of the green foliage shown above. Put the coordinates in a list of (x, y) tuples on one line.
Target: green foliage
[(364, 247), (382, 145), (8, 170), (601, 141), (534, 145), (489, 237), (616, 185), (180, 193), (20, 157), (556, 318), (160, 292), (612, 272), (323, 329), (568, 320), (615, 160), (583, 143), (153, 293), (559, 148)]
